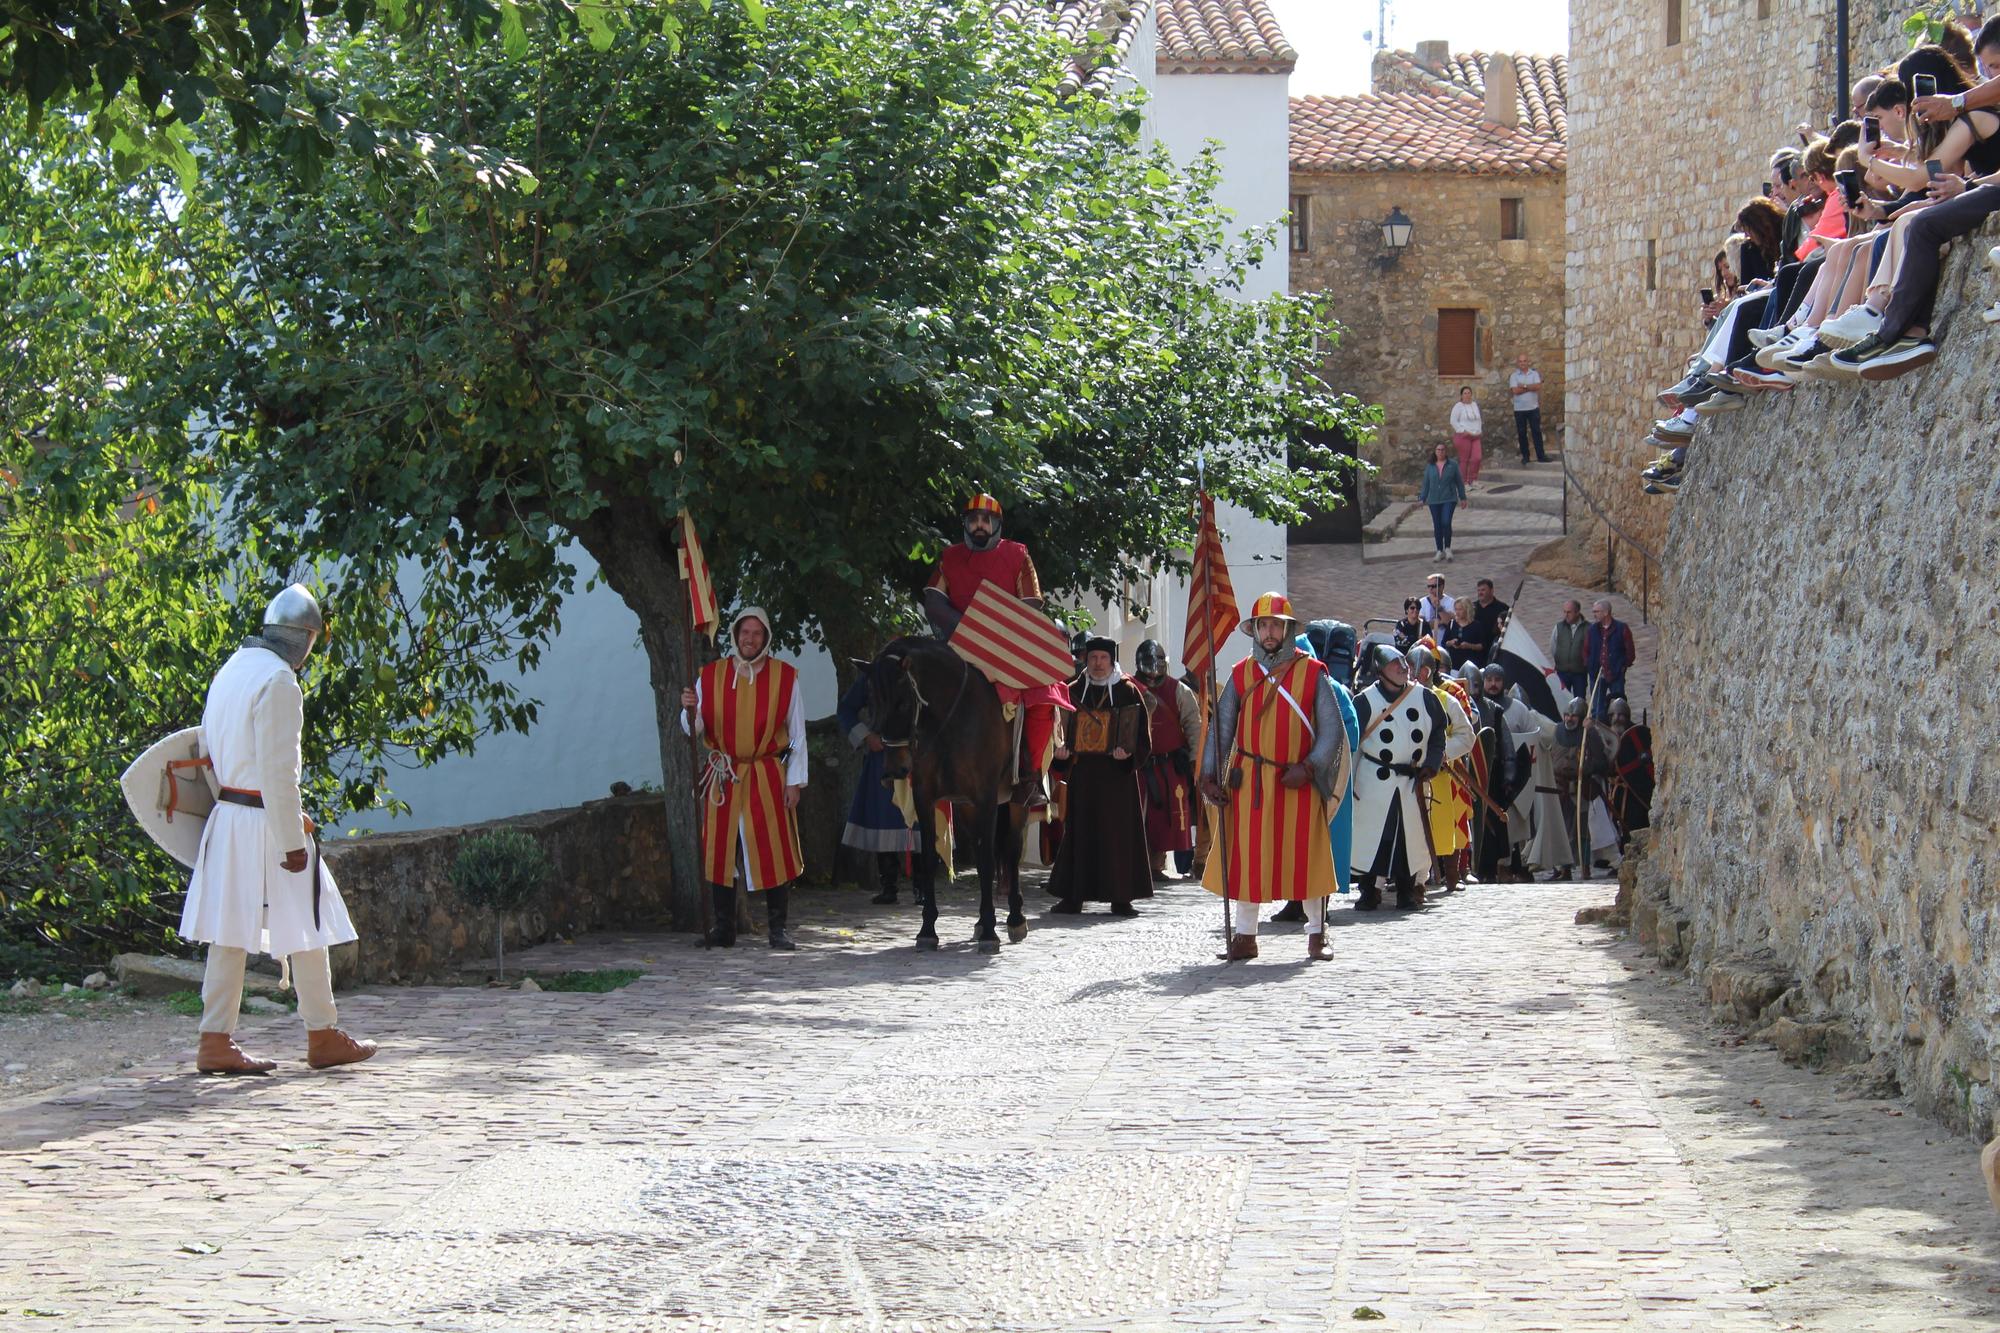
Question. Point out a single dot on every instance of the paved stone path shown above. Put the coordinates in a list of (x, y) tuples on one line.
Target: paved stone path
[(1483, 1116)]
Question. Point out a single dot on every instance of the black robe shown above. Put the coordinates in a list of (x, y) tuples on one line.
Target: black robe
[(1103, 855)]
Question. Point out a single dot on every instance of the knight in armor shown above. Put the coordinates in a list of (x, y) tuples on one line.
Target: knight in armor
[(1272, 769), (986, 557), (1497, 752), (1581, 760), (259, 885), (1402, 747), (749, 713), (1631, 781), (1450, 796), (1103, 853), (1169, 773)]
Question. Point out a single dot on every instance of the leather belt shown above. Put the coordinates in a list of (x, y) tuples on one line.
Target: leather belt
[(255, 800)]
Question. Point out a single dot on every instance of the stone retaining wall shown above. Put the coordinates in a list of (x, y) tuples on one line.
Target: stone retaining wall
[(1828, 690)]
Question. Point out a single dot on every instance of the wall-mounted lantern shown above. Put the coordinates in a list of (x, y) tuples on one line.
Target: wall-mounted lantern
[(1396, 232)]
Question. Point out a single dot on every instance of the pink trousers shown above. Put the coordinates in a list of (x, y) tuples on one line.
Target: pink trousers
[(1469, 454)]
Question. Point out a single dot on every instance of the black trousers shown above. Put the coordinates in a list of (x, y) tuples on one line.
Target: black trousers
[(777, 908), (1524, 423), (1915, 298)]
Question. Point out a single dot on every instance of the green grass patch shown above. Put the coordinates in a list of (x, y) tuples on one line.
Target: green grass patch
[(49, 999), (186, 1003), (595, 983)]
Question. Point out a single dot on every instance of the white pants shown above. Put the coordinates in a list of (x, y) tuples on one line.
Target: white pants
[(222, 988), (1246, 916)]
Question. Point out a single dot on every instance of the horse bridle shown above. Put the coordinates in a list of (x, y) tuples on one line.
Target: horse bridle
[(964, 679)]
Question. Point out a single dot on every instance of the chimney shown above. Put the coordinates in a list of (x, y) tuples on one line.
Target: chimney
[(1433, 55), (1502, 91)]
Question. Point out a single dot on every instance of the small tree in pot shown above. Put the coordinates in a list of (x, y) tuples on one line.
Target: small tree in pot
[(501, 871)]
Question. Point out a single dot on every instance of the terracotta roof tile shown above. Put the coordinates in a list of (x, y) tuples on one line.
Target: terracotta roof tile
[(1440, 129), (1222, 37), (1100, 30), (1542, 83)]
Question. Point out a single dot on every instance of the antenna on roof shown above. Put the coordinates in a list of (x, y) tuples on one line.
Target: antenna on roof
[(1385, 19)]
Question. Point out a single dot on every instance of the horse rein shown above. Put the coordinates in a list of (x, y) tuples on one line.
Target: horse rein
[(964, 679)]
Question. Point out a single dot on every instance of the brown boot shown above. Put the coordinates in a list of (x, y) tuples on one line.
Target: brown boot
[(1316, 948), (219, 1054), (327, 1047), (1242, 948)]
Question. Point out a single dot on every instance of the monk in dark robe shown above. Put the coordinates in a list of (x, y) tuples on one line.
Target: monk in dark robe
[(1103, 856)]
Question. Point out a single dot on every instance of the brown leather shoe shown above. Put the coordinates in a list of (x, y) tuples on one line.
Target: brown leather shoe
[(327, 1047), (219, 1054), (1316, 947), (1242, 948)]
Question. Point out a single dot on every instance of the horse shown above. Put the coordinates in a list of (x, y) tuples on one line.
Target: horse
[(944, 728)]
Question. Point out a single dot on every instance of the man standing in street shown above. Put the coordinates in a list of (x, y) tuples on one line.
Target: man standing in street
[(1103, 853), (1275, 761), (1402, 747), (983, 557), (1607, 654), (1526, 386), (1437, 606), (259, 885), (1168, 773), (1491, 611), (749, 713), (1567, 643)]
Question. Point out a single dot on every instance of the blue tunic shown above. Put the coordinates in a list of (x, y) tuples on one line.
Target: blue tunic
[(874, 824), (1341, 829)]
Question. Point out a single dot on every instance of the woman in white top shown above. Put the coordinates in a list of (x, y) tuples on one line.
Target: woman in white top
[(1465, 431)]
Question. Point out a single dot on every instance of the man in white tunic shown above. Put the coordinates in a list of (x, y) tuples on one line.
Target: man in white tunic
[(259, 885)]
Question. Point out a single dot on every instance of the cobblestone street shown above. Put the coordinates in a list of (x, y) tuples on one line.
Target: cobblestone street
[(1483, 1116)]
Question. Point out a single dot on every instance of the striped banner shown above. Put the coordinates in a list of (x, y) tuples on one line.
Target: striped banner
[(1011, 642), (1211, 614), (694, 572)]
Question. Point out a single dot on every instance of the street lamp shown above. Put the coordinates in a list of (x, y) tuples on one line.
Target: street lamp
[(1396, 230)]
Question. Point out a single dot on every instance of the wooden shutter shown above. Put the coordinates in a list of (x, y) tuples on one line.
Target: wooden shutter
[(1455, 342)]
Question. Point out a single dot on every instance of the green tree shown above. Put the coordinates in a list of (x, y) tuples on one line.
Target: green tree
[(816, 279), (124, 579)]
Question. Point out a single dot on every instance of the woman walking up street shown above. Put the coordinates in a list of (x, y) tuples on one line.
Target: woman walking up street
[(1466, 428), (1443, 490)]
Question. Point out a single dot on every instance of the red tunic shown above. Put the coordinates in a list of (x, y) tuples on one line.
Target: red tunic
[(1169, 792), (745, 719), (959, 573)]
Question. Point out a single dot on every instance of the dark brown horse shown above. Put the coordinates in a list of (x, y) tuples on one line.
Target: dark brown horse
[(945, 731)]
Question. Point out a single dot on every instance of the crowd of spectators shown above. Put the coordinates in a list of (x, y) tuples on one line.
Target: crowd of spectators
[(1832, 273)]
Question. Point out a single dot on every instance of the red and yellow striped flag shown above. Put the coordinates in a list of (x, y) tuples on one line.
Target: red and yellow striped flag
[(1211, 614), (694, 571)]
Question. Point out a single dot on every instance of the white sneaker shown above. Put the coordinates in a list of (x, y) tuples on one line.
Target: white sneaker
[(1447, 555), (1437, 555), (1993, 256), (1849, 327), (1765, 337), (1992, 313), (1794, 341)]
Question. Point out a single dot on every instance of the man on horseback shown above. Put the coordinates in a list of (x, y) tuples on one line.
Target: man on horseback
[(1286, 764), (749, 712), (985, 557)]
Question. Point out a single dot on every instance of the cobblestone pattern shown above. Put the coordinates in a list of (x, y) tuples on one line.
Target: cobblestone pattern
[(1467, 1120)]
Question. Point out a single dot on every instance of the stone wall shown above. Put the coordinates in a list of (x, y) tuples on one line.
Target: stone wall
[(1456, 259), (609, 864), (1666, 143), (1830, 802)]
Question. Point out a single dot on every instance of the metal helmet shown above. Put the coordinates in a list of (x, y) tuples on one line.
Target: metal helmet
[(1076, 643), (1575, 707), (1493, 671), (1620, 709), (296, 608), (1421, 658), (1151, 659), (1382, 654)]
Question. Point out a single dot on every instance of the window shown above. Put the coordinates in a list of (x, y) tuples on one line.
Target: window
[(1673, 22), (1301, 223), (1652, 266), (1763, 9), (1513, 220), (1455, 342)]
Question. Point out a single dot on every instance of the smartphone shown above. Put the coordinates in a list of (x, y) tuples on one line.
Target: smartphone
[(1708, 296), (1923, 85), (1850, 186), (1871, 128), (1933, 168)]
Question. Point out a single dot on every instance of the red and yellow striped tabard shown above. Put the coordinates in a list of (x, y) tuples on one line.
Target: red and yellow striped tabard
[(744, 718), (1451, 799), (1278, 848)]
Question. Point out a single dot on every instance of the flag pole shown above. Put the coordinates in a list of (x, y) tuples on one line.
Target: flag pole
[(707, 914), (1212, 687)]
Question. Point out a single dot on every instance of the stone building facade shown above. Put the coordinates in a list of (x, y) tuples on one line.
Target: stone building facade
[(1674, 111), (1824, 826), (1472, 149)]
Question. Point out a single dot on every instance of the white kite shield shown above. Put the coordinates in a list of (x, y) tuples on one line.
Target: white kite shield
[(171, 789)]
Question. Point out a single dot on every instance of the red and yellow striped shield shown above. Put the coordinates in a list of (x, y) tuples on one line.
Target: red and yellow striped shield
[(1011, 642)]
